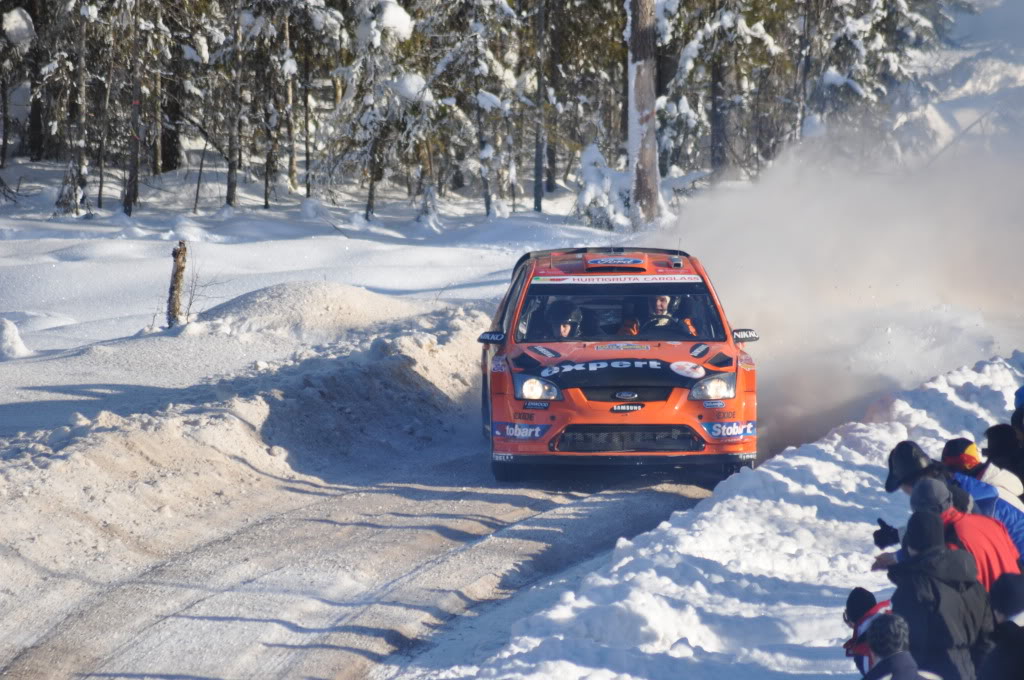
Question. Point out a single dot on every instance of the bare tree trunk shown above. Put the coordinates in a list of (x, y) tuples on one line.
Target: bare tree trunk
[(289, 116), (177, 280), (5, 114), (305, 121), (235, 121), (158, 124), (375, 170), (101, 153), (82, 94), (645, 205), (131, 190), (540, 139), (199, 180), (719, 118)]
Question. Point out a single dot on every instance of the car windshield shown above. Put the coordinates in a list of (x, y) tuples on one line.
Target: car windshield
[(577, 312)]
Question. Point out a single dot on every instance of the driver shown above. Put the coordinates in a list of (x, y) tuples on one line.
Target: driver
[(660, 307), (563, 317)]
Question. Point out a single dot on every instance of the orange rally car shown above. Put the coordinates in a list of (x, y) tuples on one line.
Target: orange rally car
[(616, 356)]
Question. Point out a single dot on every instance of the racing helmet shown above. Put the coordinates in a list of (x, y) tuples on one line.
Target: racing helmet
[(564, 312), (673, 304)]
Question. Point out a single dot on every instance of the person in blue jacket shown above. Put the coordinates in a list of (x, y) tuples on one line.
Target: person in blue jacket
[(909, 463)]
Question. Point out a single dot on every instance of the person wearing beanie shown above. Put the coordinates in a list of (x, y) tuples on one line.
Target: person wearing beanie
[(1006, 661), (889, 640), (861, 610), (939, 596), (1005, 450), (962, 455), (985, 538), (909, 463)]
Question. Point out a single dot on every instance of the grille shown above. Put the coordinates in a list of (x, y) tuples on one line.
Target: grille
[(597, 438), (643, 393)]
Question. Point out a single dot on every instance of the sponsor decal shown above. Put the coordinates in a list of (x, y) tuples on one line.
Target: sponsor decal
[(628, 396), (746, 362), (545, 351), (495, 337), (725, 415), (502, 457), (731, 429), (537, 405), (699, 350), (714, 404), (625, 408), (688, 369), (673, 342), (519, 415), (615, 260), (622, 347), (602, 366), (498, 364), (618, 278), (744, 335), (519, 431)]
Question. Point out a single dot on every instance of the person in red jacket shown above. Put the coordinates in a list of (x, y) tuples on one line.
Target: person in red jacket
[(985, 538), (861, 610)]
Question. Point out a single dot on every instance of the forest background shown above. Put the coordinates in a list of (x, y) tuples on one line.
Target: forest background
[(459, 95)]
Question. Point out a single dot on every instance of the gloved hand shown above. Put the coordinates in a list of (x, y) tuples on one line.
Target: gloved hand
[(886, 535)]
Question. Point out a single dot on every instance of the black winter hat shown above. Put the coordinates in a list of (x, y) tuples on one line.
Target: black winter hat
[(1002, 441), (905, 460), (888, 634), (1007, 594), (858, 603), (924, 530)]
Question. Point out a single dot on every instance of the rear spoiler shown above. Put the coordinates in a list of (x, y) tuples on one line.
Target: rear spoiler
[(609, 250)]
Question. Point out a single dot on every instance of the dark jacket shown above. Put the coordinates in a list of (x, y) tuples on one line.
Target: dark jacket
[(947, 610), (1006, 661), (899, 666)]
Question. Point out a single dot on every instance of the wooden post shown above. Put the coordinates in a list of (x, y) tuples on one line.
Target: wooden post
[(177, 280)]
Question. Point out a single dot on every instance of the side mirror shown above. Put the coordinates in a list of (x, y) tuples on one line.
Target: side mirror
[(492, 338), (744, 335)]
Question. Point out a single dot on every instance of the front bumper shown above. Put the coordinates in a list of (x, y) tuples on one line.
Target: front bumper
[(625, 459)]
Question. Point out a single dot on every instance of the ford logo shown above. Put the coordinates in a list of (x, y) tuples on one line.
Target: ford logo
[(627, 396)]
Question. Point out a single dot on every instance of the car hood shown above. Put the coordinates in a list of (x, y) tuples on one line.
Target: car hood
[(625, 363)]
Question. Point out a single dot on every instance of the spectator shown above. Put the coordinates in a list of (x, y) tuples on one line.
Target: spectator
[(889, 641), (1017, 423), (962, 455), (1006, 661), (908, 463), (1005, 450), (986, 539), (938, 593), (861, 610)]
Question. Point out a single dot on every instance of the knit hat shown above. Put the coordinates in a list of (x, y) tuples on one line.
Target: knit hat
[(905, 461), (1007, 594), (930, 495), (888, 634), (961, 454), (924, 531), (858, 603)]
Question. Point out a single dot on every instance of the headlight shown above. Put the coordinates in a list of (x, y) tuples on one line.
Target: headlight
[(529, 388), (716, 387)]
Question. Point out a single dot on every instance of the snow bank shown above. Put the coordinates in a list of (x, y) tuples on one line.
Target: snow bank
[(132, 490), (752, 583), (11, 345), (310, 312)]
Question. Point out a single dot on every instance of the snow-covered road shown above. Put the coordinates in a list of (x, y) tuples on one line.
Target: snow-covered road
[(332, 588)]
